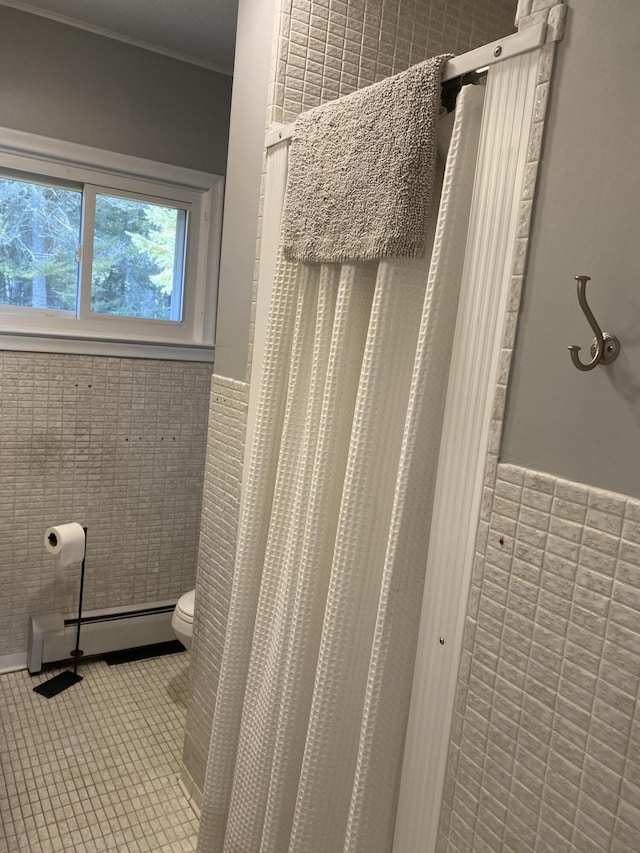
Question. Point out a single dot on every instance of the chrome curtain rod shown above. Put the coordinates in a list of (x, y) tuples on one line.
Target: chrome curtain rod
[(475, 60)]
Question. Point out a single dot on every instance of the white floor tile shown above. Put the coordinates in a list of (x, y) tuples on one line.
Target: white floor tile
[(97, 766)]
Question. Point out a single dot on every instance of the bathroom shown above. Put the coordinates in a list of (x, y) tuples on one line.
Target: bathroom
[(560, 422)]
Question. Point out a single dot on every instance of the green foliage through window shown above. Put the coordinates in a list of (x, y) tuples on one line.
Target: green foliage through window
[(39, 239), (137, 264), (137, 258)]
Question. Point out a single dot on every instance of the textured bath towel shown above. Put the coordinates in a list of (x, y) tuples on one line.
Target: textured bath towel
[(361, 171)]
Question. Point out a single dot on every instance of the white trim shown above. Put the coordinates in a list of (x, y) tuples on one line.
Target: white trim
[(72, 154), (98, 346), (111, 34), (473, 376), (275, 186), (111, 629), (482, 57), (200, 192), (277, 133), (190, 790), (495, 52), (13, 663)]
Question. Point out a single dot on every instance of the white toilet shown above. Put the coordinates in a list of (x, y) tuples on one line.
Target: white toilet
[(182, 619)]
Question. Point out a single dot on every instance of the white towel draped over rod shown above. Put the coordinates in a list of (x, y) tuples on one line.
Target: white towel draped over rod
[(481, 57)]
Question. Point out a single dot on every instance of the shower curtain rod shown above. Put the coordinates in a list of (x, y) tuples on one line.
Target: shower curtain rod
[(475, 60)]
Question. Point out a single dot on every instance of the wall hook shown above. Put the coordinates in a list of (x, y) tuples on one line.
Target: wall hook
[(605, 347)]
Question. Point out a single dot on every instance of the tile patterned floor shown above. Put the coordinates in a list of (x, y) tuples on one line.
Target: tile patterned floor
[(96, 768)]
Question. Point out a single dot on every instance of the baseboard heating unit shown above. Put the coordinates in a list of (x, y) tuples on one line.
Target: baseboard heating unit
[(52, 636)]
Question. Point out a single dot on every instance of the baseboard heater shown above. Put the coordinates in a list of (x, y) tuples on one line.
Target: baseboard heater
[(52, 636)]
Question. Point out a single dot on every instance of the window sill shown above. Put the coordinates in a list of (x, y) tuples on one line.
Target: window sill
[(109, 348)]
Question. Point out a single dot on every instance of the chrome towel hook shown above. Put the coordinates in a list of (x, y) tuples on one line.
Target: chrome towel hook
[(605, 347)]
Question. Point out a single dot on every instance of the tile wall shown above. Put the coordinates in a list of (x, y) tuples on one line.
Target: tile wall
[(328, 48), (216, 557), (545, 749), (545, 739), (116, 444)]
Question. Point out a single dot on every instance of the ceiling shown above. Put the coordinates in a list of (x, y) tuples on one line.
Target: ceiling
[(198, 31)]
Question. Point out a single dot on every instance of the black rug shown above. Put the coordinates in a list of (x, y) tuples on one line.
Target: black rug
[(142, 652), (57, 684)]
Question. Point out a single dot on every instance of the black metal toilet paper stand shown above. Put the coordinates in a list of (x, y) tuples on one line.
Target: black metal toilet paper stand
[(66, 679)]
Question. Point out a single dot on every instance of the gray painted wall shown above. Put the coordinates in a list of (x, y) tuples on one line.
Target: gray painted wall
[(584, 426), (67, 83), (242, 198)]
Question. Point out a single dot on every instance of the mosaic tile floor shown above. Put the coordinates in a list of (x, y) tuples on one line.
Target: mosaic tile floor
[(96, 767)]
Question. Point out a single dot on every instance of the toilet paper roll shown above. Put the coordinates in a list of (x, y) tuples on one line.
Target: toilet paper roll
[(67, 540)]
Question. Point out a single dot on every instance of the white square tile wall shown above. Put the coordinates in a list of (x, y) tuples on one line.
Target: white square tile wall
[(545, 748), (116, 444), (216, 557), (328, 48)]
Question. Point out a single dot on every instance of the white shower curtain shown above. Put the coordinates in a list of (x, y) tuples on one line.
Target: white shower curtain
[(310, 716)]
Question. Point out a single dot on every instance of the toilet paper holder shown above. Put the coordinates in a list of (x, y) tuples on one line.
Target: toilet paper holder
[(64, 680)]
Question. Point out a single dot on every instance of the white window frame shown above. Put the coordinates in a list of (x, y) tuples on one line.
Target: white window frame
[(201, 193)]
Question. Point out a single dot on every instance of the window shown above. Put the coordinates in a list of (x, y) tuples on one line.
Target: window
[(138, 258), (115, 256), (39, 240)]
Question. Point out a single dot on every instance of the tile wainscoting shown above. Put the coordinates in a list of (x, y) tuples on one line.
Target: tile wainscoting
[(329, 48), (116, 444), (545, 746), (216, 559)]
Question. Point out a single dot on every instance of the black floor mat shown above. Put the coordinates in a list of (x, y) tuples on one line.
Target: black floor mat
[(57, 684), (143, 652)]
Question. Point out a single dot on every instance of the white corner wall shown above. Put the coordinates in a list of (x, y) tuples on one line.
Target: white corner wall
[(244, 174), (229, 391)]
